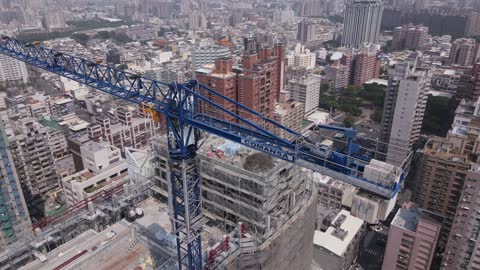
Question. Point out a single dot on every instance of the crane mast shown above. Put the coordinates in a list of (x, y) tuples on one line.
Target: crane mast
[(181, 107)]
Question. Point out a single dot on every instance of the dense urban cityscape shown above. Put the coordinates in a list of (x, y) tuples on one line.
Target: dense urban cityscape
[(254, 134)]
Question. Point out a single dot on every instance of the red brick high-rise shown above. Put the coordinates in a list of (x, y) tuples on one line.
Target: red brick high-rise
[(222, 79), (413, 37), (257, 86), (262, 78), (366, 66)]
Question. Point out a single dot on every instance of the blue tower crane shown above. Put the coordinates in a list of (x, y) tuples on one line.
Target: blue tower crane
[(181, 106)]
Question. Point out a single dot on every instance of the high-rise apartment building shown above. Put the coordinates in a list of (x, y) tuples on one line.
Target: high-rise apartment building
[(306, 90), (338, 76), (221, 78), (12, 70), (338, 72), (471, 81), (311, 8), (462, 251), (203, 55), (463, 134), (413, 37), (306, 31), (366, 65), (234, 19), (361, 22), (404, 107), (14, 215), (289, 113), (197, 21), (440, 180), (421, 4), (333, 193), (473, 24), (184, 6), (256, 86), (447, 183), (464, 52), (261, 80), (412, 239), (283, 16), (54, 19), (34, 161)]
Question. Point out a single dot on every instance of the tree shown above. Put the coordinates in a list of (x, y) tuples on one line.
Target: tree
[(336, 18), (376, 116), (122, 67), (350, 105), (439, 114), (324, 88), (328, 102), (121, 38), (351, 91), (374, 93), (349, 121), (104, 34), (81, 38)]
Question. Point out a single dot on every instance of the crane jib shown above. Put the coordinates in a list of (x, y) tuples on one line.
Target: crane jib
[(269, 150)]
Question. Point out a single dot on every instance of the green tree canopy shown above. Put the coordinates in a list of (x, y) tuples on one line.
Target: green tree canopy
[(439, 115), (349, 121)]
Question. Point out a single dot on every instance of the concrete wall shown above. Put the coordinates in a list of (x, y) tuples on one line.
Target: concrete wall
[(290, 247)]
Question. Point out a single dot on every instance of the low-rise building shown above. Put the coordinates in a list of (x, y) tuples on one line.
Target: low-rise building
[(104, 167), (126, 131), (333, 193), (337, 247), (301, 57)]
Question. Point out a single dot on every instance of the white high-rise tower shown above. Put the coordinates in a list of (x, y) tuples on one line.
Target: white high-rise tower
[(361, 22)]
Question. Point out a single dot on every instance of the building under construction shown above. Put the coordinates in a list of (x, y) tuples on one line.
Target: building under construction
[(270, 197), (95, 213), (257, 211)]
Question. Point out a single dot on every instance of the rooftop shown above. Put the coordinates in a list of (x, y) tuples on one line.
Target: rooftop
[(113, 249), (208, 70), (443, 148), (408, 218), (341, 232), (327, 180), (237, 155)]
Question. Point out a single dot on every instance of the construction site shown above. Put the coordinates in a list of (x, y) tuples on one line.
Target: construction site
[(272, 200), (78, 222), (257, 209)]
